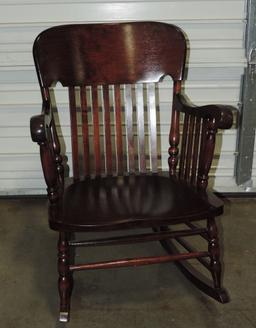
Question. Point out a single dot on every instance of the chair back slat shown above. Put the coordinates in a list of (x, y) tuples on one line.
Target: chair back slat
[(96, 130), (74, 132), (85, 130), (129, 128), (193, 166), (107, 125), (189, 147), (202, 147), (140, 128), (195, 150), (119, 133), (117, 130), (151, 102), (183, 146)]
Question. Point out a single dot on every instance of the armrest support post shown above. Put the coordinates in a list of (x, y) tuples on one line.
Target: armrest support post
[(43, 131), (174, 136), (174, 142), (58, 157), (206, 153), (50, 171)]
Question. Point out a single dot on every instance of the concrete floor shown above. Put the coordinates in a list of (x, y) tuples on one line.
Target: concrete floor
[(153, 296)]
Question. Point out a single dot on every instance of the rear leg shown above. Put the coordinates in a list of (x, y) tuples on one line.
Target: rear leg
[(214, 250)]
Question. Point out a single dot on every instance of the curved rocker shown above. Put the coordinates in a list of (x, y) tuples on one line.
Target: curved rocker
[(196, 277)]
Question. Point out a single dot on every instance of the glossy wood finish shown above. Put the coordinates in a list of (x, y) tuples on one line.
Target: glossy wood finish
[(138, 238), (115, 69), (130, 51), (136, 262), (129, 202)]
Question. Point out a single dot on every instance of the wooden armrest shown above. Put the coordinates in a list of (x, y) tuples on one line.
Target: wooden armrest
[(40, 123), (221, 114)]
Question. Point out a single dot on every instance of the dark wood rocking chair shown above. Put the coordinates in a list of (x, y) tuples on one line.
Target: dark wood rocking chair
[(112, 72)]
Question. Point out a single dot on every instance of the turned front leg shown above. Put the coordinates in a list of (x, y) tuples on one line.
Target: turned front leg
[(65, 282)]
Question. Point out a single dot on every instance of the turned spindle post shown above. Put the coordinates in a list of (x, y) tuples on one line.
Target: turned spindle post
[(58, 157), (208, 137), (174, 135)]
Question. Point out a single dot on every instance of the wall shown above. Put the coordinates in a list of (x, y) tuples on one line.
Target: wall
[(215, 30)]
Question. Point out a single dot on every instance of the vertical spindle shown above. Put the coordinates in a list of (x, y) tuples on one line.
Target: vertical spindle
[(85, 130), (107, 123), (151, 102), (141, 127), (118, 118), (189, 147), (195, 150), (96, 130), (129, 128), (74, 133), (183, 146)]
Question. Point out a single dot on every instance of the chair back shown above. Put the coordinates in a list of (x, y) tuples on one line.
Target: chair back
[(112, 73)]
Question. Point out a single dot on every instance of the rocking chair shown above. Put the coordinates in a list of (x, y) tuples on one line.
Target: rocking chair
[(113, 72)]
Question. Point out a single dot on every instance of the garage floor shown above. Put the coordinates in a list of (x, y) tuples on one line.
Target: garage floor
[(153, 296)]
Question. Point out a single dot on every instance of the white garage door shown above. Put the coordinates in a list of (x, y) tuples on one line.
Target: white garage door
[(215, 30)]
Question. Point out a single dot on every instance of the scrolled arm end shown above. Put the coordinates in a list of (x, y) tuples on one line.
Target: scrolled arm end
[(38, 129), (40, 123), (224, 113)]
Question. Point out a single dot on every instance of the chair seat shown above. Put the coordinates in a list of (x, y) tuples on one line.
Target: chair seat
[(104, 203)]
